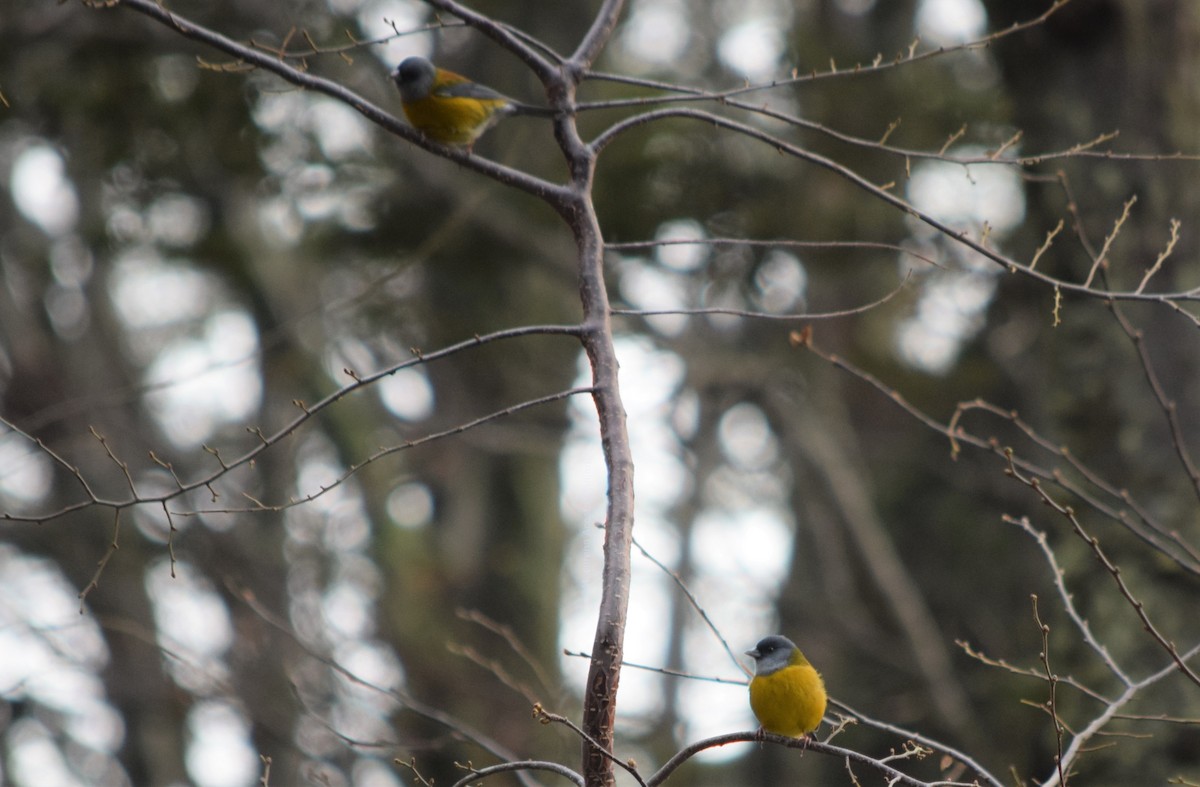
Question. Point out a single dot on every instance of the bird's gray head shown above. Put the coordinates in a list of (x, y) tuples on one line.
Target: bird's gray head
[(414, 76), (771, 654)]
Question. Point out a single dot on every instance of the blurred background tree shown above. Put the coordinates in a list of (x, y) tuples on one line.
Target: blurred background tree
[(190, 255)]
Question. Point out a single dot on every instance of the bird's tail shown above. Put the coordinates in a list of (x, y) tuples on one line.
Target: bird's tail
[(517, 108)]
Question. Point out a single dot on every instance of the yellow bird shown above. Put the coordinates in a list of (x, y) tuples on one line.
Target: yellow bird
[(449, 108), (786, 693)]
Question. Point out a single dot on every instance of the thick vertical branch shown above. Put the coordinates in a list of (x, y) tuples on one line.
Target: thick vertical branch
[(600, 699), (604, 673)]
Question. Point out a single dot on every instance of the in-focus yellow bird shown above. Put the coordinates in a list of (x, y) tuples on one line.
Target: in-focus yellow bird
[(786, 693)]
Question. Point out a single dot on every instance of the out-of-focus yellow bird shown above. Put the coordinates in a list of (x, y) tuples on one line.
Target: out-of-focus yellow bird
[(786, 693), (449, 108)]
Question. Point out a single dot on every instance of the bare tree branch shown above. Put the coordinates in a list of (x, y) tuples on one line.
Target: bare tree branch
[(958, 236)]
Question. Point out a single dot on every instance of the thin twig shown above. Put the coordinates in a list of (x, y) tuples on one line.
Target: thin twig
[(108, 449), (1112, 568), (101, 564), (770, 315), (1052, 685), (674, 673), (546, 717), (781, 243), (1028, 672), (465, 426), (694, 602), (1067, 598), (519, 765), (1162, 256), (1168, 405), (1102, 258), (514, 643)]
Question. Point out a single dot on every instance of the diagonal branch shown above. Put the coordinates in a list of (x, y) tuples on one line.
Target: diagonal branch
[(252, 56), (546, 71), (1113, 569), (597, 35), (1168, 405), (883, 194), (266, 441)]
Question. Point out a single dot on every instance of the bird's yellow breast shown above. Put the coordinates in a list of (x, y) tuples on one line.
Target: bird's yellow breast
[(790, 701), (453, 120)]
